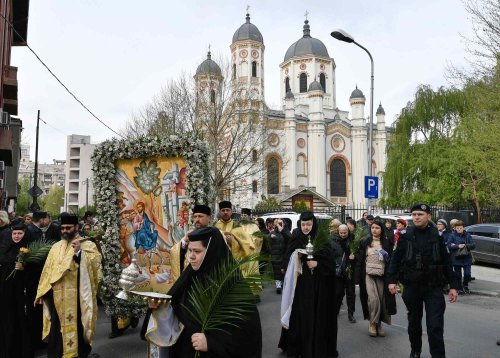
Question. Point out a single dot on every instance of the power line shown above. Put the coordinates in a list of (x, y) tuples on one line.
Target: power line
[(51, 126), (57, 78)]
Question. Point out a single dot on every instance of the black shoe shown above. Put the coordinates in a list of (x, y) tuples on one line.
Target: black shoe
[(115, 334), (278, 291), (498, 342), (350, 317), (414, 354), (466, 290)]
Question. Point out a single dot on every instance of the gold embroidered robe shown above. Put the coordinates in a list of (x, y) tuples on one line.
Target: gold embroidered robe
[(60, 274)]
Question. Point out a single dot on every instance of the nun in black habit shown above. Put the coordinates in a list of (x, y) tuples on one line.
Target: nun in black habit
[(17, 294), (243, 341), (307, 310)]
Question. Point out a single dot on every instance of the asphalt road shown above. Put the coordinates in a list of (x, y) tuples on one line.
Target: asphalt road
[(472, 327)]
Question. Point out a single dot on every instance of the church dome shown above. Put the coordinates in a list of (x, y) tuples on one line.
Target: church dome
[(306, 45), (209, 66), (380, 109), (315, 86), (357, 93), (248, 31)]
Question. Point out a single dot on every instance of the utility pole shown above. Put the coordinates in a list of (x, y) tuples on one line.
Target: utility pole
[(35, 206)]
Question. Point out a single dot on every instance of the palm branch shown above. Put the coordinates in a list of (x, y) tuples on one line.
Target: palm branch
[(38, 251), (359, 235), (224, 297), (322, 237)]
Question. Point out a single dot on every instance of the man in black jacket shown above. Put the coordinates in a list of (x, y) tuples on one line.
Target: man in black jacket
[(422, 263)]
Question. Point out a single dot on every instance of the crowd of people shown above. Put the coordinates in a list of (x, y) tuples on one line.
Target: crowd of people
[(310, 270)]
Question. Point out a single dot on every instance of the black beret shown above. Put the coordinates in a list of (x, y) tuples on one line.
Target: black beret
[(246, 211), (202, 209), (421, 207), (69, 220), (202, 233), (37, 215), (225, 205)]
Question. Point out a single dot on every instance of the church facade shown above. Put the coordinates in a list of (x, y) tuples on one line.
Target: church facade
[(310, 142)]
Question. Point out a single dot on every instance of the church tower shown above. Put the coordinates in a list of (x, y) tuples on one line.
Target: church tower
[(247, 60), (359, 159), (208, 79)]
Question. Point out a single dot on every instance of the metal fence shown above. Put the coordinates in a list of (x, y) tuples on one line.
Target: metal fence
[(341, 212)]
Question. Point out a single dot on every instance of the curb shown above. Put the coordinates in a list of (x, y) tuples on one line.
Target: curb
[(485, 293)]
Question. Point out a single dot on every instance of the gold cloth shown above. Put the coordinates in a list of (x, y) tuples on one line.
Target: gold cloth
[(60, 274)]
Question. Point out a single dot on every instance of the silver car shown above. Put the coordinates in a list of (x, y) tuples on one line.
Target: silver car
[(487, 239)]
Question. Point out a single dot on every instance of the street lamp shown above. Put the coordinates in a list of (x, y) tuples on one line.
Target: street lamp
[(341, 35)]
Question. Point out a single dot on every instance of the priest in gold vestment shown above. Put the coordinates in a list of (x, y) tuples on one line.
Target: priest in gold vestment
[(68, 290)]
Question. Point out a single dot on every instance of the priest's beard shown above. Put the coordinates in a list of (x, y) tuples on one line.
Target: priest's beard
[(68, 236)]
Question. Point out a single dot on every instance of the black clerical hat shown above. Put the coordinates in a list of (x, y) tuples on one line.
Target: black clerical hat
[(225, 205), (246, 211), (202, 233), (202, 209), (306, 215), (69, 220)]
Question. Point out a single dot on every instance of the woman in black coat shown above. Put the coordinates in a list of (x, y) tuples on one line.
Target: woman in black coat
[(378, 242)]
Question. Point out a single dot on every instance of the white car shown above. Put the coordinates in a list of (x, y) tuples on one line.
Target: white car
[(291, 218), (395, 217)]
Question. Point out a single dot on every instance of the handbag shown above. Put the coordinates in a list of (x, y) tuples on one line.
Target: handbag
[(374, 267), (463, 252)]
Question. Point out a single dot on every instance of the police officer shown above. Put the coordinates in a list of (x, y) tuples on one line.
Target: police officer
[(422, 264)]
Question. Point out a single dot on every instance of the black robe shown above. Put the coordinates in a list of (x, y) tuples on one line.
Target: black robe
[(17, 294), (312, 331), (244, 341)]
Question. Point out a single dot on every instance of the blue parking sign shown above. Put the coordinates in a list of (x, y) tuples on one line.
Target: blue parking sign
[(371, 187)]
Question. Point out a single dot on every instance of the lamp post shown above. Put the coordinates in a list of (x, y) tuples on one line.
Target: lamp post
[(344, 36)]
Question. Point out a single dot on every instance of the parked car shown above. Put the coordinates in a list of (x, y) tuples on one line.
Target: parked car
[(291, 218), (395, 217), (487, 239)]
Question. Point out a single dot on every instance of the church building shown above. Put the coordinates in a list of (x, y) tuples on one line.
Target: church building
[(311, 144)]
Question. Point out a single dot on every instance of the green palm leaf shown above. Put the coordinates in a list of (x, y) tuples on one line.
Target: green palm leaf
[(322, 237), (225, 296), (38, 251)]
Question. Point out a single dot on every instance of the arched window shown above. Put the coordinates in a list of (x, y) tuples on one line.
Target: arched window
[(301, 164), (287, 85), (255, 155), (322, 81), (254, 69), (338, 185), (273, 172), (303, 83), (212, 96), (234, 71)]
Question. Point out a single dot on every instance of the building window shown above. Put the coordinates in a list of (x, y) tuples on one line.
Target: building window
[(212, 96), (303, 83), (255, 155), (234, 71), (273, 176), (254, 186), (287, 85), (254, 69), (301, 164), (322, 81), (338, 184)]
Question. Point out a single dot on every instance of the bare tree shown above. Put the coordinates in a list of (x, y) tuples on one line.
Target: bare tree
[(484, 45), (227, 114)]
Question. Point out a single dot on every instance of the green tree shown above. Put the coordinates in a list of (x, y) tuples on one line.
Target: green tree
[(53, 200), (300, 206), (269, 204), (22, 206)]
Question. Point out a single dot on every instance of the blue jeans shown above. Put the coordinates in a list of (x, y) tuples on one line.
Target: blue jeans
[(466, 277)]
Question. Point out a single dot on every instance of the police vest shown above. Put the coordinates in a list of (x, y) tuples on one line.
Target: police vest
[(416, 267)]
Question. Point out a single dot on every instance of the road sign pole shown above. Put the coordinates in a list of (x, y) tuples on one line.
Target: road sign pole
[(34, 205)]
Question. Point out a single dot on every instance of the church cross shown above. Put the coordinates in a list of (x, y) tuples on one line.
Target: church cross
[(70, 317), (248, 8), (306, 14), (70, 343)]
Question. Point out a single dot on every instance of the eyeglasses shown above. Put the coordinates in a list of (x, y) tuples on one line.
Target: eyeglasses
[(67, 228)]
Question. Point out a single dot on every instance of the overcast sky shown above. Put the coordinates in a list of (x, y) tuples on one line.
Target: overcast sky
[(116, 55)]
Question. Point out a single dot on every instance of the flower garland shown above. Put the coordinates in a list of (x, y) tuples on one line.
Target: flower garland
[(194, 152)]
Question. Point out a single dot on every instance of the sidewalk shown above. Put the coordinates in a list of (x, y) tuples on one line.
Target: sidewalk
[(487, 282)]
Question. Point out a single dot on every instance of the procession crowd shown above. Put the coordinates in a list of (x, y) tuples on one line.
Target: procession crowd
[(311, 265)]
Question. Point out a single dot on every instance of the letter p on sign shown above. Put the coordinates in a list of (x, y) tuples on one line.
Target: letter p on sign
[(371, 187)]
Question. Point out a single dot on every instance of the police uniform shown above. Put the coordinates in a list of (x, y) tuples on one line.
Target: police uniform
[(422, 264)]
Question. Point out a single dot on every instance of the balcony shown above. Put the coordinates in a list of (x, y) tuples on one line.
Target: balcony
[(9, 78)]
